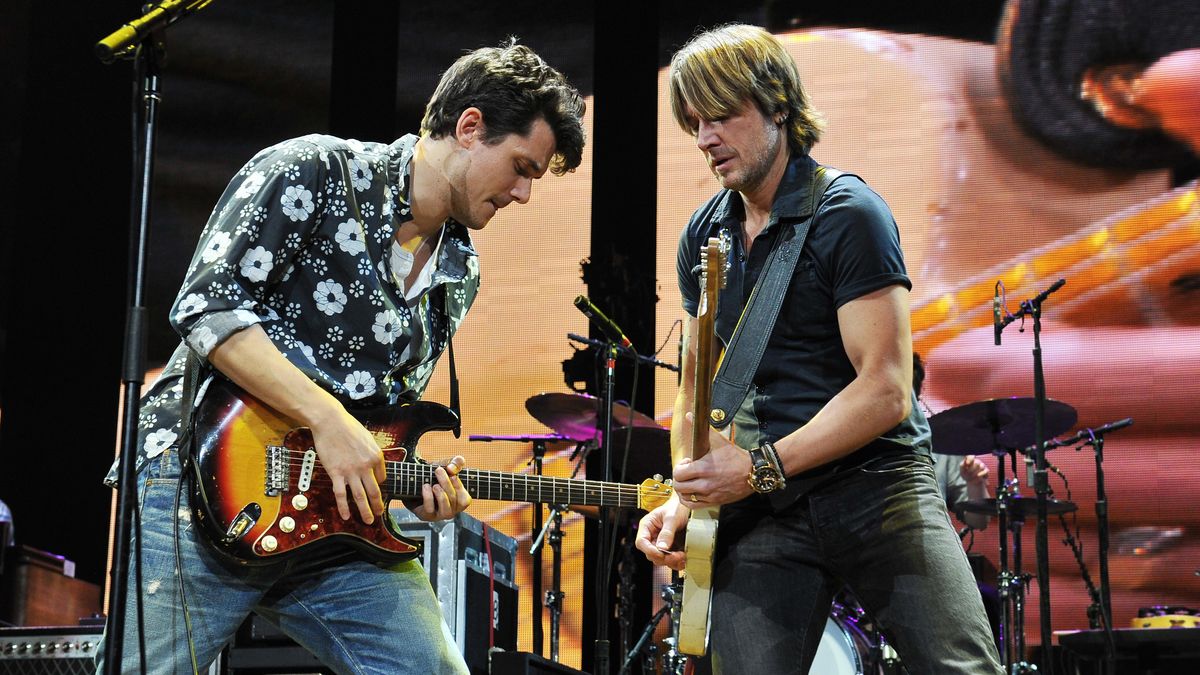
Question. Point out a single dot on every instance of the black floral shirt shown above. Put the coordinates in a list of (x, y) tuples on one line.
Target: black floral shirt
[(300, 243)]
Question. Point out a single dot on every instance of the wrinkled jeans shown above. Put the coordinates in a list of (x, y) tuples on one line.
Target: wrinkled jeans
[(882, 531), (355, 616)]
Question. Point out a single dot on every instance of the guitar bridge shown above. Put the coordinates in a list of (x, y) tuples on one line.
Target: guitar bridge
[(278, 465)]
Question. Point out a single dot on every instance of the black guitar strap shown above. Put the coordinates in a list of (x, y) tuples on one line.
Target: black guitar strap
[(453, 371), (754, 327)]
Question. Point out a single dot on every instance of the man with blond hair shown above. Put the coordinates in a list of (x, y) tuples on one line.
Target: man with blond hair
[(828, 481)]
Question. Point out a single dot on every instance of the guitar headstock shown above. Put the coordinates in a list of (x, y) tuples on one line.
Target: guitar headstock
[(653, 493), (714, 268)]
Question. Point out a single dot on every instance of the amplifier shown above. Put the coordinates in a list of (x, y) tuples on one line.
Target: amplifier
[(455, 556), (64, 650), (524, 663), (456, 559)]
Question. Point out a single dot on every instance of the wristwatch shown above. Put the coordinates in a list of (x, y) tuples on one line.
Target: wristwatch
[(766, 469)]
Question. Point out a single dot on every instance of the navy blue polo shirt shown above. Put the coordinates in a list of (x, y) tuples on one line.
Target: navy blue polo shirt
[(852, 249)]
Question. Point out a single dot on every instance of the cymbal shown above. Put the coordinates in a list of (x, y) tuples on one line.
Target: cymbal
[(1019, 507), (577, 416), (996, 424)]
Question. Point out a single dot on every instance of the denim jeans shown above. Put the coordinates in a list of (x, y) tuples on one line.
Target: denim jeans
[(882, 531), (355, 616)]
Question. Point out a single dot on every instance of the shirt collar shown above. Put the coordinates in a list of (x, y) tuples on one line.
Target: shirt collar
[(455, 246), (790, 202)]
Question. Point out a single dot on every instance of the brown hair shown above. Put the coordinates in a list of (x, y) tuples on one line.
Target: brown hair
[(512, 86)]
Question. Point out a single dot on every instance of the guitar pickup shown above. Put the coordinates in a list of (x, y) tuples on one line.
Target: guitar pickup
[(244, 520)]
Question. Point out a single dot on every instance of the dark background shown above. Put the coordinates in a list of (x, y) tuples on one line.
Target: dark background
[(242, 75)]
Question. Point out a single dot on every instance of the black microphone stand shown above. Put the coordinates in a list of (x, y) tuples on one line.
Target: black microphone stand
[(148, 58), (605, 525), (1041, 482)]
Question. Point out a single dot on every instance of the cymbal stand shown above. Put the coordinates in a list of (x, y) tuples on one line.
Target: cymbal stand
[(1011, 581), (674, 661), (551, 531)]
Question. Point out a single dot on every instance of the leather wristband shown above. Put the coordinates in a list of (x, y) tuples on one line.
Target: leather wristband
[(766, 469)]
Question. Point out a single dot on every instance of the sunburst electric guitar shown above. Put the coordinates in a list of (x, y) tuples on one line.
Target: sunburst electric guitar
[(702, 526), (261, 495)]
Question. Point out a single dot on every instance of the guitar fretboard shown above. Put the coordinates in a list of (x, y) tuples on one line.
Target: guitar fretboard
[(406, 478)]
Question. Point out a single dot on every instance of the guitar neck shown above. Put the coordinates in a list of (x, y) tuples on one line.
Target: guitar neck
[(406, 478)]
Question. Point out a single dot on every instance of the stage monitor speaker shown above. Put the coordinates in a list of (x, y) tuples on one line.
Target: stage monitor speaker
[(524, 663), (52, 650)]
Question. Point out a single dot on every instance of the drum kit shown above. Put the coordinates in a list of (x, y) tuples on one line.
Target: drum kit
[(1005, 427)]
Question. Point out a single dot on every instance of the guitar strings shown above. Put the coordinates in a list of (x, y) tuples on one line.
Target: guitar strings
[(482, 480)]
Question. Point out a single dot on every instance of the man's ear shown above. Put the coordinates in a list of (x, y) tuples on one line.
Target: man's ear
[(470, 126)]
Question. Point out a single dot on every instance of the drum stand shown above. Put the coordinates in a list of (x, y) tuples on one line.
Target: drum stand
[(674, 662), (1011, 582)]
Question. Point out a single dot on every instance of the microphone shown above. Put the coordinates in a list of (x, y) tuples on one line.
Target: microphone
[(605, 324), (997, 320), (159, 16)]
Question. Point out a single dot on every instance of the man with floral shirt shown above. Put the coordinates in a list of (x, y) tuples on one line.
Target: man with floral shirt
[(332, 273)]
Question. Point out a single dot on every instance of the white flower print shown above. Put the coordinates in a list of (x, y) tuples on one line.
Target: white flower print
[(360, 174), (163, 438), (192, 304), (256, 263), (349, 237), (367, 209), (325, 351), (251, 185), (292, 241), (216, 247), (293, 171), (360, 384), (292, 310), (357, 288), (307, 351), (325, 245), (203, 339), (357, 342), (337, 207), (346, 360), (297, 203), (387, 327), (364, 267), (334, 334), (330, 297), (246, 316)]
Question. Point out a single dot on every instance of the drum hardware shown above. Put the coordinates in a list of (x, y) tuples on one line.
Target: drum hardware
[(578, 416), (673, 661), (1037, 472), (1005, 425), (548, 530)]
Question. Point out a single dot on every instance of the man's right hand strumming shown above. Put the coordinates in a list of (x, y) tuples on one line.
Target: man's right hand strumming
[(656, 537)]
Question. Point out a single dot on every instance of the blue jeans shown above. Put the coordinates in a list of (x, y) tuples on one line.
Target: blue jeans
[(355, 616), (883, 531)]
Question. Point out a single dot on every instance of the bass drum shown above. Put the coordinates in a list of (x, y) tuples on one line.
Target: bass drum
[(844, 650)]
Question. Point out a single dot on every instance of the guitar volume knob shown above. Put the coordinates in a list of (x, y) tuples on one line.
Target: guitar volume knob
[(270, 543), (287, 523), (299, 502)]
